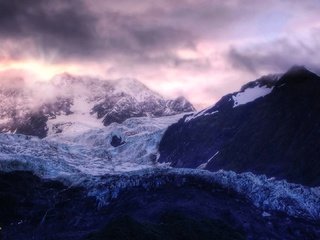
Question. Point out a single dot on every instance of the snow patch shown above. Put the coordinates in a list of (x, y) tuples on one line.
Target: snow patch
[(250, 95)]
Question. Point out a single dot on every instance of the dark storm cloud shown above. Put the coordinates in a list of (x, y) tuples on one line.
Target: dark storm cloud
[(62, 25), (78, 29), (74, 31)]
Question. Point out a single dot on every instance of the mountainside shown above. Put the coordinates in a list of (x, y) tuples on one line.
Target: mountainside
[(87, 102), (270, 127)]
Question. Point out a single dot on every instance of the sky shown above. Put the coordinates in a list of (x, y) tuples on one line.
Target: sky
[(202, 49)]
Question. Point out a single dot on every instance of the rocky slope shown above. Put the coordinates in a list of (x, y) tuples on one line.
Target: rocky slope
[(270, 127)]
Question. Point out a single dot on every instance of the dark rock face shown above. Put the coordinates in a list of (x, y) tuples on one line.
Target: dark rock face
[(122, 106), (116, 141), (34, 121), (277, 135), (31, 208), (180, 104), (35, 125)]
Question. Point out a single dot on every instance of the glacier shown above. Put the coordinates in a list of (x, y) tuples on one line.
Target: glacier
[(79, 149), (88, 160)]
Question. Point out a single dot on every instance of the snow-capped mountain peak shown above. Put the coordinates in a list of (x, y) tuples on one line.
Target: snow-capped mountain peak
[(68, 99)]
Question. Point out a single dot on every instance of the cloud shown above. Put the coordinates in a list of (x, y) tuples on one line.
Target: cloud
[(32, 26), (278, 55), (121, 30)]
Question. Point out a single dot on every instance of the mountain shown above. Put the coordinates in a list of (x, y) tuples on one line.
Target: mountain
[(95, 171), (67, 100), (271, 126)]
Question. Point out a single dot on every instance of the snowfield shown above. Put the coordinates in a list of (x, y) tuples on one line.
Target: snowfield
[(250, 95)]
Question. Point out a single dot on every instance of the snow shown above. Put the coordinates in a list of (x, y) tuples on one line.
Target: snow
[(80, 121), (250, 95)]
